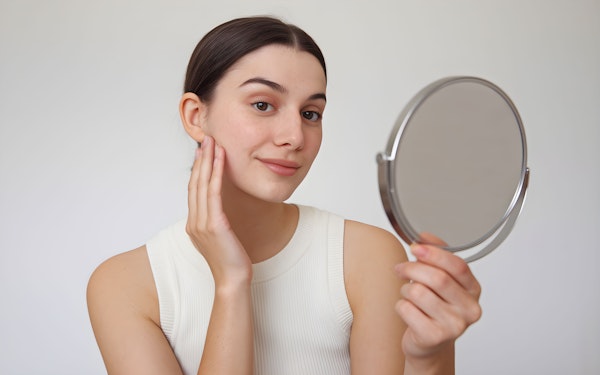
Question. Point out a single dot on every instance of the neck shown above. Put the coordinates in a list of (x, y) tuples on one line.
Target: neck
[(262, 227)]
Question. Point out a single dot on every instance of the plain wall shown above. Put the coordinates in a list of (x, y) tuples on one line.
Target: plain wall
[(94, 161)]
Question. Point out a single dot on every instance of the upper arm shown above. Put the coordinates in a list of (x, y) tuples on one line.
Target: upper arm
[(123, 309), (373, 289)]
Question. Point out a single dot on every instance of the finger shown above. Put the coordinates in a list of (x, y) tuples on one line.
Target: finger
[(422, 329), (454, 266), (425, 299), (431, 239), (431, 296), (437, 293), (426, 331), (193, 187), (215, 202), (437, 280), (204, 176), (451, 305)]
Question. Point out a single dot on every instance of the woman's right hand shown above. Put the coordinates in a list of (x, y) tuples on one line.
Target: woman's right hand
[(207, 225)]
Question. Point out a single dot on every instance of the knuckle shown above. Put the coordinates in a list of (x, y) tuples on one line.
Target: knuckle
[(403, 270), (462, 268), (456, 327), (414, 291), (477, 289), (189, 228), (402, 307), (194, 228), (474, 313), (212, 228), (440, 279)]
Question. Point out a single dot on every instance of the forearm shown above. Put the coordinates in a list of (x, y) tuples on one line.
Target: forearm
[(441, 364), (229, 346)]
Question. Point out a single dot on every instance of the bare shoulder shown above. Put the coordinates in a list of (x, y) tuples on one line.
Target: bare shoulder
[(363, 242), (124, 312), (370, 254), (124, 279)]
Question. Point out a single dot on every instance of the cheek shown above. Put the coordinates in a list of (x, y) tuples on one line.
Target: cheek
[(235, 141), (315, 142), (238, 145), (231, 127), (221, 122)]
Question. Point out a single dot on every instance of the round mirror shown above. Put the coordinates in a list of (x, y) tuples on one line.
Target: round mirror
[(456, 166)]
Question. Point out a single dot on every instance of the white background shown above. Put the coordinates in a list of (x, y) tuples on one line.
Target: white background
[(94, 161)]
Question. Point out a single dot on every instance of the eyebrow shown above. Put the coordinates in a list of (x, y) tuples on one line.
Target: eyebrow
[(277, 87)]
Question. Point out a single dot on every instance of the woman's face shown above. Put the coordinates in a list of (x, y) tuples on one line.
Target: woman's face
[(266, 113)]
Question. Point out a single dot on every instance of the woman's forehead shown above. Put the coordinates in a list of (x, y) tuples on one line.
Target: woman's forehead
[(281, 64)]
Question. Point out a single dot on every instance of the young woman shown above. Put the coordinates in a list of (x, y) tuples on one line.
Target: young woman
[(248, 284)]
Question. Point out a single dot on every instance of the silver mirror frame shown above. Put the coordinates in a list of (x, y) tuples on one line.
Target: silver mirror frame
[(387, 176)]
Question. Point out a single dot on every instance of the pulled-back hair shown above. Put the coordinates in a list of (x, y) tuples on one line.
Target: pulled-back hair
[(230, 41)]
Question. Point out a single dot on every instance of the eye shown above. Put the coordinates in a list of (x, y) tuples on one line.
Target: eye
[(311, 115), (263, 106)]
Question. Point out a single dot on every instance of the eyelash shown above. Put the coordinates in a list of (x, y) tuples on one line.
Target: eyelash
[(257, 104), (312, 113), (305, 114)]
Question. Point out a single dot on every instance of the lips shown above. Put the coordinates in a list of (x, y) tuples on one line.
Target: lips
[(281, 167)]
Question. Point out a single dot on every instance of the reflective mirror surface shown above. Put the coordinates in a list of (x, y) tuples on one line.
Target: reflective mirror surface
[(456, 165)]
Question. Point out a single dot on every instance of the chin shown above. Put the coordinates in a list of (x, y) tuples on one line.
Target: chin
[(274, 195)]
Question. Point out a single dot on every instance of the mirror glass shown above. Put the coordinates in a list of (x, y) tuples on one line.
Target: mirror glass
[(455, 166)]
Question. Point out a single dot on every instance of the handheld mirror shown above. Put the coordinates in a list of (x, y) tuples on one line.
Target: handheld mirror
[(455, 166)]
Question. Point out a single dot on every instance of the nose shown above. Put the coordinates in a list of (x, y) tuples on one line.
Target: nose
[(289, 132)]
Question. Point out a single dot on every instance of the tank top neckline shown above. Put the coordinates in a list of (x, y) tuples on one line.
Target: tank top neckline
[(269, 268)]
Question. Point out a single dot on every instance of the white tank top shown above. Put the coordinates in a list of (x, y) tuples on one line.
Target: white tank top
[(302, 317)]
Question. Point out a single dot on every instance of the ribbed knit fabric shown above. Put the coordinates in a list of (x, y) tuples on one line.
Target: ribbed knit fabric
[(302, 317)]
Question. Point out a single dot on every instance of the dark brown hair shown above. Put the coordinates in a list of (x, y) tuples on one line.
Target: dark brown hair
[(232, 40)]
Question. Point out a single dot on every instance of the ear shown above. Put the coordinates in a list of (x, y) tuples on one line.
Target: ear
[(193, 114)]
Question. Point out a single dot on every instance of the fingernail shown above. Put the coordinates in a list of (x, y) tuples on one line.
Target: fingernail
[(419, 251), (197, 153)]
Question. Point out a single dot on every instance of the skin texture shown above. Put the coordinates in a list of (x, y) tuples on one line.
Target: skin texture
[(260, 134)]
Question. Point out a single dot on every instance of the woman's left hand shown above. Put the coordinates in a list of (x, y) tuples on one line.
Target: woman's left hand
[(439, 303)]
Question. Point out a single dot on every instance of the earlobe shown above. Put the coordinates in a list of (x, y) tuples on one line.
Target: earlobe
[(192, 112)]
